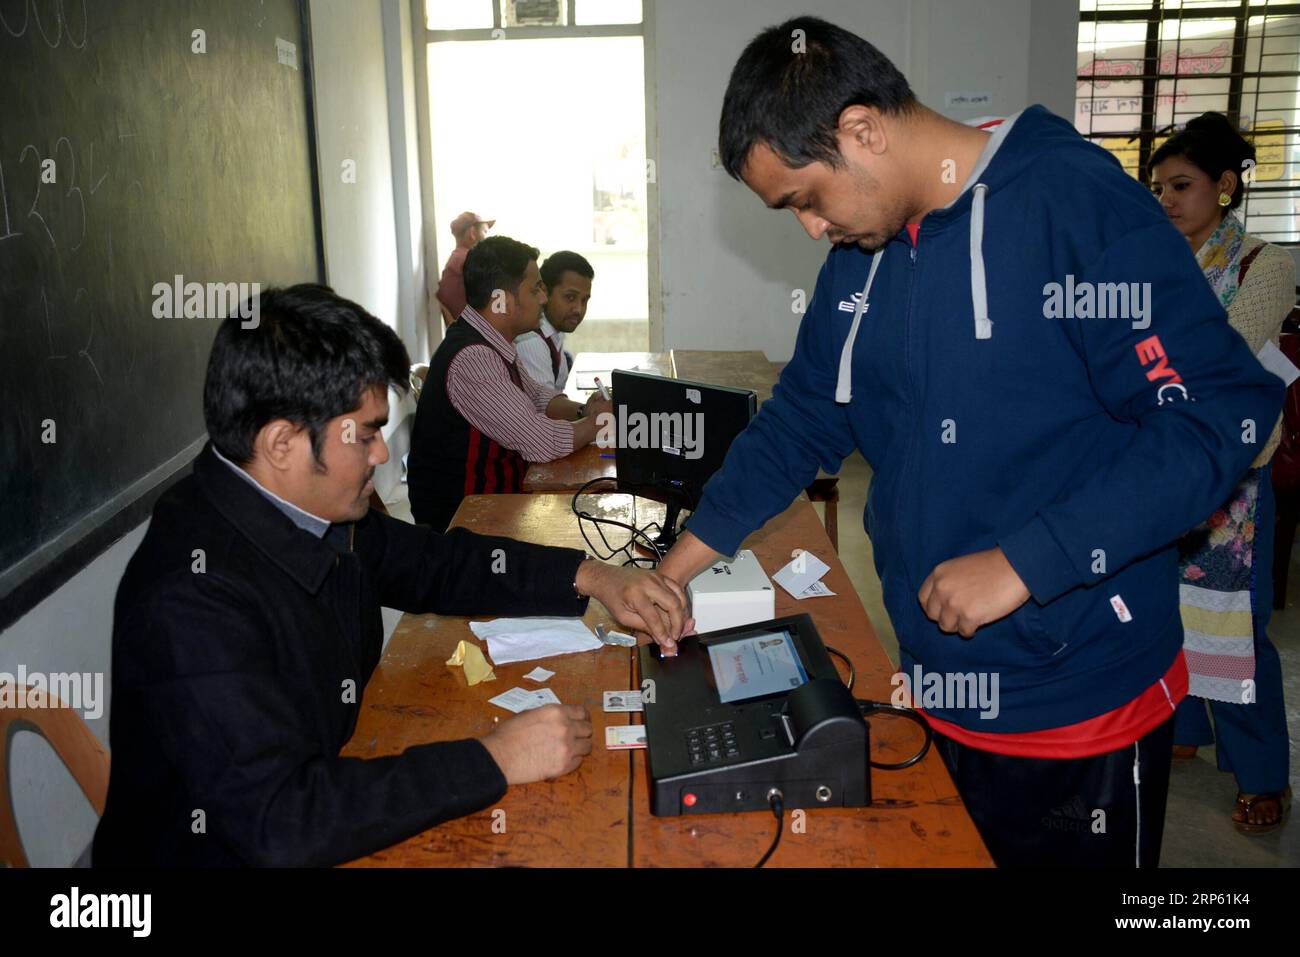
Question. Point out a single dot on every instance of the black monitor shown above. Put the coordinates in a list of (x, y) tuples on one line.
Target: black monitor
[(672, 435)]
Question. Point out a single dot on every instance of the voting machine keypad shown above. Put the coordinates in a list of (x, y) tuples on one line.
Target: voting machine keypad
[(712, 744)]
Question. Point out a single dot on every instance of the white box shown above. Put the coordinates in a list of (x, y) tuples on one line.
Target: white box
[(730, 593)]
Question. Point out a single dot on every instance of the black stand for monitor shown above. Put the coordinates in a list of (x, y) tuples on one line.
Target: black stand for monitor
[(675, 500), (668, 534)]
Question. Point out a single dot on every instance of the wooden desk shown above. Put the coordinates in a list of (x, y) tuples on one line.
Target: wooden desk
[(571, 472), (586, 365), (600, 814), (740, 370), (579, 820)]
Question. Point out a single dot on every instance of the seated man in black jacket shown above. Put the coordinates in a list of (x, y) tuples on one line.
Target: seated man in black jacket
[(248, 620)]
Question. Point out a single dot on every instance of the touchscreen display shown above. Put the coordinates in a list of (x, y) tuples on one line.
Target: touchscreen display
[(756, 665)]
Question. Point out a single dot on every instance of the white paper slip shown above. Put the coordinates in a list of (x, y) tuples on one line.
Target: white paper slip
[(623, 701), (815, 590), (522, 639), (624, 737), (539, 674), (521, 699), (800, 573), (1275, 361)]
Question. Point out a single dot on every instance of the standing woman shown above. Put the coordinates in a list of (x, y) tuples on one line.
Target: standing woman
[(1225, 571)]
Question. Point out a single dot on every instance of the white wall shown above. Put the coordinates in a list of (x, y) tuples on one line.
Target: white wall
[(728, 265), (1020, 52), (70, 631), (365, 113)]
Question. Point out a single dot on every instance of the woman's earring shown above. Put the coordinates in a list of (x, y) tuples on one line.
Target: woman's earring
[(1224, 199)]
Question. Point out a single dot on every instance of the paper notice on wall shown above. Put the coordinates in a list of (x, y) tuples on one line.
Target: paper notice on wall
[(964, 99), (286, 53)]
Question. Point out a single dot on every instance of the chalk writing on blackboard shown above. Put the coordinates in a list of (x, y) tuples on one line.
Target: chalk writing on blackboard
[(31, 12)]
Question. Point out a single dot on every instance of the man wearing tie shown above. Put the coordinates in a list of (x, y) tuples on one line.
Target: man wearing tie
[(567, 277)]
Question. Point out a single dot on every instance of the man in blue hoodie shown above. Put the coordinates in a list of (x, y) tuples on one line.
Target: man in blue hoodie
[(1048, 393)]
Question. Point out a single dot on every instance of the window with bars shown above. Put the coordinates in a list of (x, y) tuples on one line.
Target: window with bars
[(1146, 68)]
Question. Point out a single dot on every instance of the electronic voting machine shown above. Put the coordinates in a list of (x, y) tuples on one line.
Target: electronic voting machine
[(742, 711)]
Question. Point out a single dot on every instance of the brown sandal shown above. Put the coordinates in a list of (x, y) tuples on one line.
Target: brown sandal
[(1184, 752), (1248, 802)]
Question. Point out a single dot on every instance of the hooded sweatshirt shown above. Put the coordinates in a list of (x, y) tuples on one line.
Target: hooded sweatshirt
[(1045, 371)]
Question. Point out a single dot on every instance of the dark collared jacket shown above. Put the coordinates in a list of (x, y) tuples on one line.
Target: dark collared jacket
[(235, 637)]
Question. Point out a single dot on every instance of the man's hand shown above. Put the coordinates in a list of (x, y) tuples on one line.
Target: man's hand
[(637, 598), (684, 561), (595, 405), (965, 593), (544, 743)]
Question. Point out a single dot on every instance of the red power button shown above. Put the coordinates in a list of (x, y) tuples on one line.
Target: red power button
[(689, 800)]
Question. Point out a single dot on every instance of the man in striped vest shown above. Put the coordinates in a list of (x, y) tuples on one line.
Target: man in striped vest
[(481, 419)]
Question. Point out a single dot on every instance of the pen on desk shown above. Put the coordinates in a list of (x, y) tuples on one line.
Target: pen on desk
[(608, 455), (604, 393)]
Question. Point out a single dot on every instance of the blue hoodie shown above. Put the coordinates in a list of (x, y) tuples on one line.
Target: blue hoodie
[(994, 411)]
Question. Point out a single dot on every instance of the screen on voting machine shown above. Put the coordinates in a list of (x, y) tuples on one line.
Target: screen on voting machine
[(757, 665)]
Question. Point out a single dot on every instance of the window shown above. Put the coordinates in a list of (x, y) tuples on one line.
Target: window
[(1146, 68), (537, 119)]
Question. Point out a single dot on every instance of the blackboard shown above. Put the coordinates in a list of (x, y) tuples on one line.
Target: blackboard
[(181, 135)]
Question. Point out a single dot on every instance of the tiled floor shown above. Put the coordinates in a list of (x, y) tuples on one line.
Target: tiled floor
[(1198, 831)]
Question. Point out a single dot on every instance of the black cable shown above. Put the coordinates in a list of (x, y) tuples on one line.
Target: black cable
[(777, 801), (869, 708), (636, 532), (845, 658)]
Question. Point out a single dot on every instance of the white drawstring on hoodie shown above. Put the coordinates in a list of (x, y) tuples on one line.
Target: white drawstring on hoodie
[(844, 385), (979, 295), (978, 288)]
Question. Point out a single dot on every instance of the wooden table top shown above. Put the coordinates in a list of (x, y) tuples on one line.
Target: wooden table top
[(600, 814), (578, 820), (740, 370), (588, 365)]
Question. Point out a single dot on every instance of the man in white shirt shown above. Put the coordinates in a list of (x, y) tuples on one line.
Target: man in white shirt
[(567, 277)]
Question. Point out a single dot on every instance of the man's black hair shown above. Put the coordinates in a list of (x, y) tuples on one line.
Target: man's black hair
[(557, 264), (498, 262), (790, 86), (310, 358)]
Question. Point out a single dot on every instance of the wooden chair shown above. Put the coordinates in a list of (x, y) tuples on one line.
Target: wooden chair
[(826, 490), (71, 740)]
